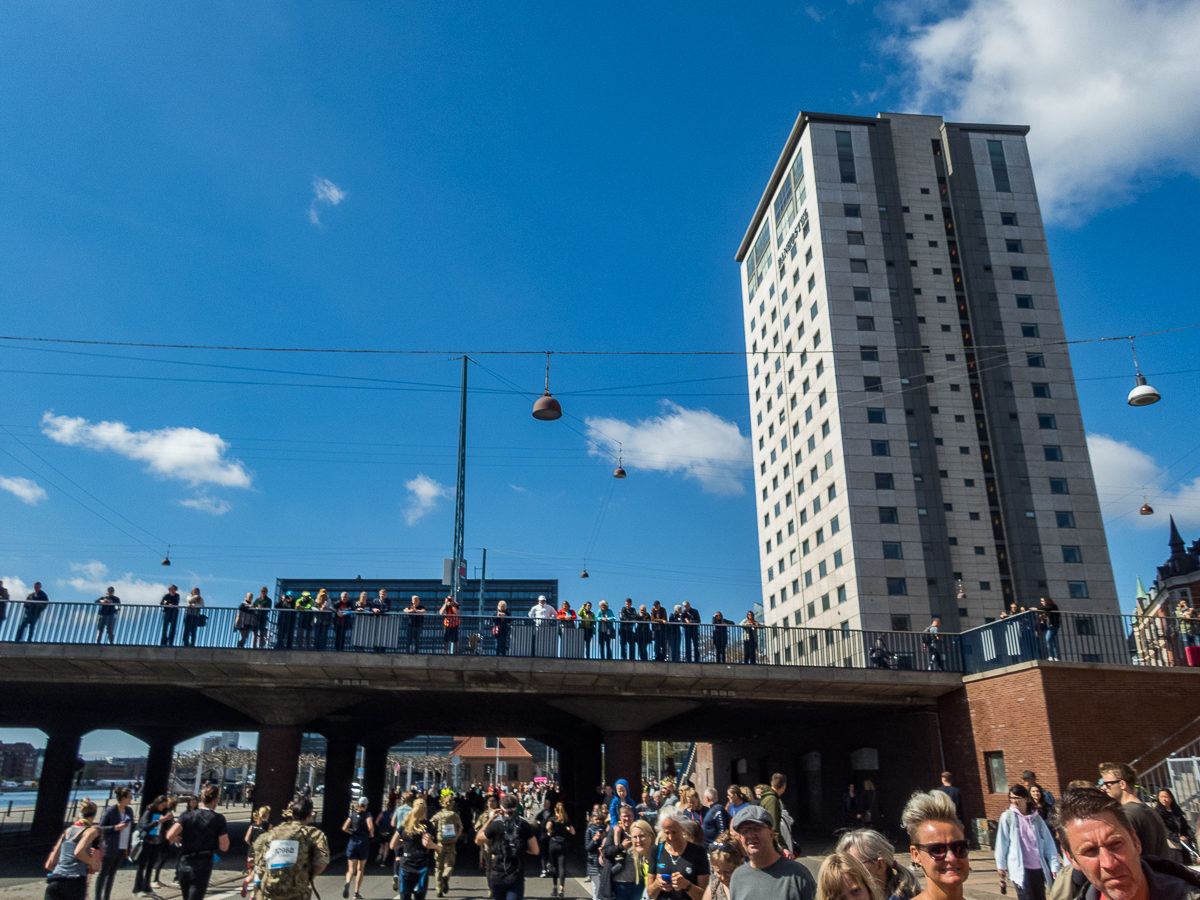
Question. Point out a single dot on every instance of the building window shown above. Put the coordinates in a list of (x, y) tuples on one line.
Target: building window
[(897, 587), (1072, 554), (1077, 590), (1053, 454), (872, 383), (808, 578), (1047, 423), (862, 294), (858, 266), (964, 451), (901, 623), (999, 174), (1041, 390), (1058, 486), (1008, 218), (834, 525), (877, 416), (770, 573), (855, 237), (1035, 360), (1019, 273), (979, 551), (491, 743), (881, 448), (869, 353), (892, 550), (851, 211), (845, 152), (1065, 519), (812, 282), (1013, 247), (1024, 301), (994, 762), (822, 569), (837, 558), (888, 516), (884, 482), (866, 323), (1029, 329), (821, 398)]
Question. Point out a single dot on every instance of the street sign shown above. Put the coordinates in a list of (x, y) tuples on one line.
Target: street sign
[(448, 571), (456, 760)]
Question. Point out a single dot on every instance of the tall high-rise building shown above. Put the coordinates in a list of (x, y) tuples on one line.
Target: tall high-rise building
[(918, 445)]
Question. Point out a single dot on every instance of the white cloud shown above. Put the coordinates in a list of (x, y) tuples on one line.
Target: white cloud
[(519, 489), (17, 589), (695, 442), (325, 193), (188, 454), (94, 579), (814, 14), (424, 493), (211, 505), (1110, 88), (25, 490), (1122, 471)]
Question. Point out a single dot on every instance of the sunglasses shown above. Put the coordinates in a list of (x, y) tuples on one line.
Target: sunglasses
[(1110, 783), (938, 851)]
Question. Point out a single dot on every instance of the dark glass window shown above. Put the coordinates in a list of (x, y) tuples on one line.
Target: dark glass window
[(845, 152), (1041, 390), (1047, 423), (856, 238), (892, 550), (888, 516), (1013, 247), (851, 211), (999, 166), (1008, 218), (1029, 329), (1058, 486), (866, 323), (868, 353), (1072, 555), (897, 587), (1065, 519), (880, 448), (862, 294), (877, 416), (1053, 453), (1024, 301), (872, 383), (884, 481)]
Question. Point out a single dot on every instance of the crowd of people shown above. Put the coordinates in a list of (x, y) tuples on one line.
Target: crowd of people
[(1099, 841)]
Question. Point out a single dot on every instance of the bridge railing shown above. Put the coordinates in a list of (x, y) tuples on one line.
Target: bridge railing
[(1080, 637), (268, 630)]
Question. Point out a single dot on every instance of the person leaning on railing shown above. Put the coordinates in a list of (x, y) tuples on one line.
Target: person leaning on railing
[(193, 617), (262, 605), (606, 625), (343, 617)]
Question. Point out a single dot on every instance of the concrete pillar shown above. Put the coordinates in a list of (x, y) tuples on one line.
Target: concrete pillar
[(375, 773), (623, 759), (278, 761), (579, 775), (158, 767), (54, 787), (811, 763), (340, 753)]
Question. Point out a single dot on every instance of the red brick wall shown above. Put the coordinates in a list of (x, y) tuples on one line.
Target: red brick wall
[(1062, 720)]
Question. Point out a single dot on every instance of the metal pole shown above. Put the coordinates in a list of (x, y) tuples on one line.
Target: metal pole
[(461, 492), (497, 761), (482, 584)]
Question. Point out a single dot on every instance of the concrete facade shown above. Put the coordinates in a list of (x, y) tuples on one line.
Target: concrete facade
[(918, 445)]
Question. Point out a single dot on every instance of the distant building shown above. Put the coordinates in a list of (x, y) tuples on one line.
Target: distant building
[(115, 768), (227, 740), (1158, 630), (479, 757), (19, 762)]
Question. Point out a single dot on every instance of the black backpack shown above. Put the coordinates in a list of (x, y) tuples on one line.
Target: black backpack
[(507, 864)]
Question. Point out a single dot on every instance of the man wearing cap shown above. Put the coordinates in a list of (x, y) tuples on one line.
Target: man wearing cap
[(1030, 778), (769, 876), (541, 613), (447, 826)]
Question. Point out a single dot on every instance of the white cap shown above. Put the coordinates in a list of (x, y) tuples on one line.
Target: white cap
[(541, 598)]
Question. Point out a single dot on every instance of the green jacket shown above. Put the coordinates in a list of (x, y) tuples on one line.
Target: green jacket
[(771, 803)]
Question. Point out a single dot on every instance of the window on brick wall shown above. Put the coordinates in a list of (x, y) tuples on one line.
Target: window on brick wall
[(996, 774)]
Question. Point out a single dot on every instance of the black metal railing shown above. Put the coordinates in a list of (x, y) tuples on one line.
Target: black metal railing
[(1081, 637), (433, 634)]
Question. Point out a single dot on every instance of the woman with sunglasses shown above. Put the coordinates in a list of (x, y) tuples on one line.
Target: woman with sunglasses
[(937, 845), (1025, 849)]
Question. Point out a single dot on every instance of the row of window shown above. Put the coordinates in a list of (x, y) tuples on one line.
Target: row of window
[(895, 550)]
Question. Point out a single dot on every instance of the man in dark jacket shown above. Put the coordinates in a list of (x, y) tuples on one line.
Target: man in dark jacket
[(628, 623), (35, 605), (117, 825), (716, 819), (1097, 835)]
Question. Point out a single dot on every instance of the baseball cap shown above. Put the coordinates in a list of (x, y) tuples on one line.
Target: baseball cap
[(1028, 775), (755, 814)]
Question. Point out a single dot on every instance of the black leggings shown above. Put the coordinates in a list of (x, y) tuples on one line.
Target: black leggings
[(59, 887), (108, 871), (145, 866), (558, 863)]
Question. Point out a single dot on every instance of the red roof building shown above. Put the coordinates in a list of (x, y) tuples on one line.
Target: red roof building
[(479, 756)]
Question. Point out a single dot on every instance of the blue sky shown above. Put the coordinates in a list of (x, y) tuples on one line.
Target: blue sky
[(447, 176)]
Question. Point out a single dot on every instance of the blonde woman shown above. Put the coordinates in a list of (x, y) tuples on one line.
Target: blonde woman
[(875, 852), (193, 617), (938, 845), (727, 854), (679, 867), (417, 837), (72, 859), (558, 828), (842, 877)]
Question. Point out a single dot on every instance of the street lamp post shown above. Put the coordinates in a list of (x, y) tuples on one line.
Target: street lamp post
[(460, 495)]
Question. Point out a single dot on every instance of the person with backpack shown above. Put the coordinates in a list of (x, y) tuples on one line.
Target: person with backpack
[(117, 825), (447, 826), (200, 832), (74, 857), (511, 838), (288, 857), (361, 828)]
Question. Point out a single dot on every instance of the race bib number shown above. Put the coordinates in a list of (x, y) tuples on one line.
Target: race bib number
[(281, 854), (447, 829)]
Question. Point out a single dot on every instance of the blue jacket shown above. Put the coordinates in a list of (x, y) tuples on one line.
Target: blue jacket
[(108, 825), (1008, 847), (716, 822), (614, 808)]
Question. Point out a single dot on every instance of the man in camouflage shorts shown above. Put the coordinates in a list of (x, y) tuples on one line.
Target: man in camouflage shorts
[(447, 826)]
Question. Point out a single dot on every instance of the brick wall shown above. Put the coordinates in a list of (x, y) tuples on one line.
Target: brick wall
[(1061, 720)]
